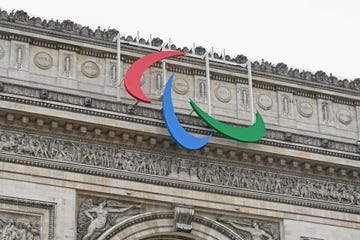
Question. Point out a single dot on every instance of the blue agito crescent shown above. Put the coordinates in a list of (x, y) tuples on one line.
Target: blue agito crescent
[(177, 132), (181, 137)]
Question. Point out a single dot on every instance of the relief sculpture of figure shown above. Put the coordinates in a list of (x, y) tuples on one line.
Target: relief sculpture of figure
[(10, 232), (254, 230), (102, 212)]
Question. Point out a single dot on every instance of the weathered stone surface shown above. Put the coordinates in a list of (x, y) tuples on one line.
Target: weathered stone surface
[(76, 163)]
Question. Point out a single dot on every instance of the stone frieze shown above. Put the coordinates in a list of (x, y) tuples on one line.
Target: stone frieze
[(158, 164)]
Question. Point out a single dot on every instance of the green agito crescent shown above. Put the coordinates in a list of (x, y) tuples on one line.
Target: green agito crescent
[(249, 134)]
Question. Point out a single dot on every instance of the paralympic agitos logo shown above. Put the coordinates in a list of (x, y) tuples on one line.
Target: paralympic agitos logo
[(132, 85)]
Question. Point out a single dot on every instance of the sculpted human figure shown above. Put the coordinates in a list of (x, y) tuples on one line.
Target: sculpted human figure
[(150, 163), (244, 180), (142, 164), (54, 148), (214, 175), (29, 233), (119, 160), (102, 212), (21, 231), (254, 230), (256, 183), (236, 179), (228, 176), (193, 173), (10, 231), (164, 168), (278, 185), (173, 169), (42, 149), (267, 183)]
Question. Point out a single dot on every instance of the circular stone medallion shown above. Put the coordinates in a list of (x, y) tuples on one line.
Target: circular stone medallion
[(223, 94), (2, 52), (264, 101), (344, 117), (181, 86), (90, 69), (43, 60), (305, 109)]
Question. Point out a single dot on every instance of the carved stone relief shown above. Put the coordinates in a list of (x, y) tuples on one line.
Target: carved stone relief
[(113, 74), (344, 117), (244, 97), (223, 94), (253, 229), (202, 89), (67, 61), (75, 30), (183, 218), (43, 60), (90, 69), (264, 101), (157, 164), (19, 56), (152, 83), (181, 86), (144, 112), (157, 225), (243, 100), (326, 111), (19, 226), (305, 109), (2, 52), (26, 219), (67, 65), (286, 104), (96, 215)]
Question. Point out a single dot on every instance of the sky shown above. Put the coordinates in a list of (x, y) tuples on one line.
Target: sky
[(306, 34)]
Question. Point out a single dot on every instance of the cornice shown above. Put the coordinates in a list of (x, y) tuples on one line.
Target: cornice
[(148, 116), (216, 70), (69, 30)]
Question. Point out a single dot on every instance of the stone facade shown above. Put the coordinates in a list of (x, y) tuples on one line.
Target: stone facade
[(76, 163)]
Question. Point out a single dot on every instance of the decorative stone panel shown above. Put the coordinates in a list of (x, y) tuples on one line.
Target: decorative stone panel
[(26, 219)]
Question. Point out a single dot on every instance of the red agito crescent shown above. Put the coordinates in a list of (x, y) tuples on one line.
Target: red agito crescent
[(136, 70)]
